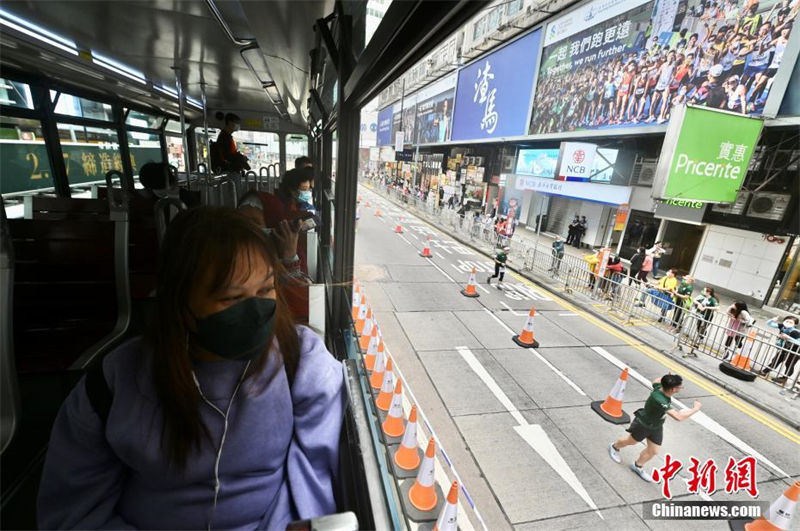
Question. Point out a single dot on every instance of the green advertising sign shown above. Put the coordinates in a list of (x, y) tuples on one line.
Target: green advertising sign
[(705, 155), (25, 166)]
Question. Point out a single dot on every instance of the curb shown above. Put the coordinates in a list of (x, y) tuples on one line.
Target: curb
[(791, 422)]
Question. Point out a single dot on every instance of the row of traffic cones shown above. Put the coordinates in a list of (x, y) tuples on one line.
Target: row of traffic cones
[(423, 496)]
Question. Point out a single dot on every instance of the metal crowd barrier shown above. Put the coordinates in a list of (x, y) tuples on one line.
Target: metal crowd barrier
[(691, 332)]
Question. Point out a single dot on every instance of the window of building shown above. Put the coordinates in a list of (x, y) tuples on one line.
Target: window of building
[(90, 152), (296, 146), (494, 19), (69, 105), (15, 94), (513, 7), (24, 164), (140, 119)]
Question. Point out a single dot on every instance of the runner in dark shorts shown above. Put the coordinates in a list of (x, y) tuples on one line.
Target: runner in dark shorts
[(649, 423)]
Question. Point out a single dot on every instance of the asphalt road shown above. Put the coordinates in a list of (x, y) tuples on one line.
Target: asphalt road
[(516, 422)]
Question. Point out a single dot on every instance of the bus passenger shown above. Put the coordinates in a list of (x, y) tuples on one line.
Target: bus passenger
[(225, 155), (226, 415), (303, 162)]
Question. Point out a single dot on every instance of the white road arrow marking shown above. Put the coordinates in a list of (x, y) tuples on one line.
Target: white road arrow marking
[(700, 418), (533, 434)]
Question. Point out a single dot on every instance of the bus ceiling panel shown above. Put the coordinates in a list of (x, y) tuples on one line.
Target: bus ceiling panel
[(285, 36), (151, 37)]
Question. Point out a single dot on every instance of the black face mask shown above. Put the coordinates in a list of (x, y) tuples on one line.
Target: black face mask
[(240, 332)]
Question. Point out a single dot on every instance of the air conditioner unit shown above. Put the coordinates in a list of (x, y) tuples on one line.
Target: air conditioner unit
[(766, 205), (735, 208), (644, 172)]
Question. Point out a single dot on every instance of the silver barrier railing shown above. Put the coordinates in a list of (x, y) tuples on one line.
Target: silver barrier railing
[(690, 330)]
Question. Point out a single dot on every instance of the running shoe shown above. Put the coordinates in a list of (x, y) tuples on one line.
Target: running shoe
[(614, 454), (641, 473)]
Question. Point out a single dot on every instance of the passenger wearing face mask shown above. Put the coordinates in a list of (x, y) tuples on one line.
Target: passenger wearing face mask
[(225, 416), (788, 347)]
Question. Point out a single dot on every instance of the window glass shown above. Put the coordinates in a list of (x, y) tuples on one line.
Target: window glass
[(15, 94), (140, 119), (81, 107), (261, 149), (201, 144), (514, 7), (174, 126), (296, 146), (175, 152), (90, 152), (144, 148), (23, 156)]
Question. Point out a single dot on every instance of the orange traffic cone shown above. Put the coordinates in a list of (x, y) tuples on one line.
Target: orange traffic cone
[(739, 366), (525, 339), (362, 313), (356, 304), (366, 333), (393, 425), (362, 323), (384, 399), (407, 455), (399, 227), (422, 494), (447, 518), (372, 349), (367, 204), (470, 291), (426, 251), (780, 512), (376, 379), (611, 408), (378, 212)]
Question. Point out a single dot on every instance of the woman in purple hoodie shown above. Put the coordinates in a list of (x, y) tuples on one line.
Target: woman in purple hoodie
[(225, 416)]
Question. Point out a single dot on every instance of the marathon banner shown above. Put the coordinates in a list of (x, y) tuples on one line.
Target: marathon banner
[(385, 126), (618, 64)]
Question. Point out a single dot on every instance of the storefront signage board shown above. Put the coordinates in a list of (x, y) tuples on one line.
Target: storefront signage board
[(679, 210), (576, 161), (537, 163), (705, 155), (493, 95), (600, 193)]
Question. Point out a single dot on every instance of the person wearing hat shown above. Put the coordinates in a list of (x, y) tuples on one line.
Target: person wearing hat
[(500, 260)]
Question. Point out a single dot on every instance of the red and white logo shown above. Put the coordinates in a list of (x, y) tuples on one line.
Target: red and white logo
[(578, 155)]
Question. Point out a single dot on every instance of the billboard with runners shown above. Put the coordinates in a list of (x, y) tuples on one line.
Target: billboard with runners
[(435, 111), (385, 126), (610, 65)]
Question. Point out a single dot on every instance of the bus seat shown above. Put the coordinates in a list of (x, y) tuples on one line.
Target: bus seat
[(10, 405), (43, 207)]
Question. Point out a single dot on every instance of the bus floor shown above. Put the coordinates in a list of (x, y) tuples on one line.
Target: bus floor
[(517, 422)]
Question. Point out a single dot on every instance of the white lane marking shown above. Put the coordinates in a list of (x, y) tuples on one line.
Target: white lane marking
[(539, 356), (442, 271), (481, 287), (568, 314), (533, 434), (404, 239), (700, 418), (439, 255), (414, 236), (511, 310)]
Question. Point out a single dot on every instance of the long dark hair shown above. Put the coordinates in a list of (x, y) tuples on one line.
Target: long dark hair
[(200, 251), (738, 308)]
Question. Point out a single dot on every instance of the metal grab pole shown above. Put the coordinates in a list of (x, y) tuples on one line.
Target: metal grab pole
[(207, 158)]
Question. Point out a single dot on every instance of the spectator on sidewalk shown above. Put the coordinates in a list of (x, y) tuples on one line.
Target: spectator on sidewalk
[(636, 265), (641, 277), (683, 300), (788, 347), (704, 306), (665, 293), (572, 230), (656, 251), (558, 253), (738, 319)]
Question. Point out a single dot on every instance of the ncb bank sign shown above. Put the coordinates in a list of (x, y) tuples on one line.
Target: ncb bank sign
[(705, 155)]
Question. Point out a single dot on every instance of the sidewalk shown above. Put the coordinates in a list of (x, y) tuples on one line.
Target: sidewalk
[(761, 393)]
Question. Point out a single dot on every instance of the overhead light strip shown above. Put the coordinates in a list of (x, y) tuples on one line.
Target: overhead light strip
[(193, 102), (119, 68), (31, 30), (165, 90)]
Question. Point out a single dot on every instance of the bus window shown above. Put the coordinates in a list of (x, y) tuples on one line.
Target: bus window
[(82, 108), (24, 164), (261, 149), (144, 148), (296, 146), (146, 121), (90, 152), (15, 94), (175, 145)]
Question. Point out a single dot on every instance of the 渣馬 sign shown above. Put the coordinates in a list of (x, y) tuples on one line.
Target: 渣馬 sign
[(705, 155)]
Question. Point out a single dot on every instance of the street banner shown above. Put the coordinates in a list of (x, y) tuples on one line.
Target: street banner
[(385, 126), (435, 111), (705, 155)]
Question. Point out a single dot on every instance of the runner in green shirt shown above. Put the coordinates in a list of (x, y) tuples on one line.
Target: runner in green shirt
[(649, 422), (499, 265)]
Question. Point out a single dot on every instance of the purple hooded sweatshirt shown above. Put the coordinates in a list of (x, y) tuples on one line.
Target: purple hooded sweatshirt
[(277, 464)]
